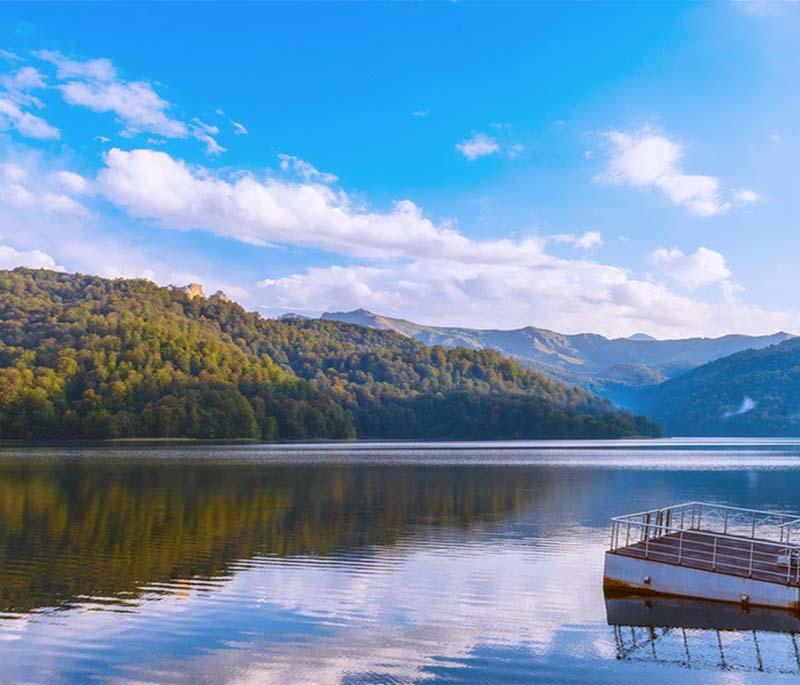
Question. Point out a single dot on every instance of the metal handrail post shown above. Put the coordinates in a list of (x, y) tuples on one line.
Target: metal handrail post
[(714, 556), (750, 568)]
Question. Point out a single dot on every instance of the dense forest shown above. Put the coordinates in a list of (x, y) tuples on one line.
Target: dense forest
[(752, 393), (87, 357)]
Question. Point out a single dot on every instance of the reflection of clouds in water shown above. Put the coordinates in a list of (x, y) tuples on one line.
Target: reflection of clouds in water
[(414, 611), (396, 613)]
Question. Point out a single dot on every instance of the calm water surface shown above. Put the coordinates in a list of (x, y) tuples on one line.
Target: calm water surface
[(366, 564)]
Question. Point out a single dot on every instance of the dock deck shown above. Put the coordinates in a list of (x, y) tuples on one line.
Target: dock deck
[(708, 551)]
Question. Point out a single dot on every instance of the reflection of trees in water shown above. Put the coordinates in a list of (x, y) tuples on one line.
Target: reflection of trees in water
[(102, 528)]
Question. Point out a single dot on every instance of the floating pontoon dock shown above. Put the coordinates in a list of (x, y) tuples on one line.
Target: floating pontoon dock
[(707, 551)]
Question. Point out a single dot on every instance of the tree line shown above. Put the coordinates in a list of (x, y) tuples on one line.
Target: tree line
[(87, 357)]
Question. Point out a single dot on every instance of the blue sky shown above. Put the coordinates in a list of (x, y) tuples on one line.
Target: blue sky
[(609, 168)]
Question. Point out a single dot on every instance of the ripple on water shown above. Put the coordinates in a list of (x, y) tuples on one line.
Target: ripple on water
[(351, 565)]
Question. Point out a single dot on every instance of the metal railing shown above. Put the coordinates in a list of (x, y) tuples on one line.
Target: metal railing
[(699, 534)]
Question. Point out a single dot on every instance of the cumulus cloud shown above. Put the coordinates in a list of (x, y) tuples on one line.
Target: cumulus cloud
[(572, 296), (153, 185), (420, 113), (418, 268), (648, 158), (11, 258), (701, 267), (479, 145), (22, 187)]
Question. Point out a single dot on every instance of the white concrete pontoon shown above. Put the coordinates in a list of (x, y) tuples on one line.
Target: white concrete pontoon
[(707, 551)]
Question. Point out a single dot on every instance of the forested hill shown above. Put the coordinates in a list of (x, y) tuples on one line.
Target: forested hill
[(753, 393), (86, 357)]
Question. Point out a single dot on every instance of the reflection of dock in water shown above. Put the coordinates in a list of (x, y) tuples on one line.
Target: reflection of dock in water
[(696, 634)]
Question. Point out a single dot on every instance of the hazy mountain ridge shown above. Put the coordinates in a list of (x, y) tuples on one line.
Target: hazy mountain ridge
[(586, 359), (751, 393)]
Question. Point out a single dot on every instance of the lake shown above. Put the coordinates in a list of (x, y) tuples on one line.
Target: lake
[(366, 563)]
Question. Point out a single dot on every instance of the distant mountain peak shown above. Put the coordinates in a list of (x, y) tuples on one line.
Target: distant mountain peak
[(586, 359)]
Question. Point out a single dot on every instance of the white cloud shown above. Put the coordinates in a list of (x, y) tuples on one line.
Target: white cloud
[(138, 107), (15, 96), (305, 170), (26, 78), (24, 187), (776, 137), (74, 183), (11, 258), (648, 158), (572, 296), (515, 150), (9, 56), (238, 129), (92, 69), (62, 204), (586, 240), (95, 84), (423, 270), (25, 123), (747, 196), (701, 267), (205, 133), (420, 113), (151, 184), (102, 139), (479, 145)]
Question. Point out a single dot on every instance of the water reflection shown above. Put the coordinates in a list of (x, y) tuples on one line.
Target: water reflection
[(71, 529), (329, 565), (695, 634)]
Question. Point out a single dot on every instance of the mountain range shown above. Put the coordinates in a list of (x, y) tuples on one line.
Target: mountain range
[(603, 365)]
